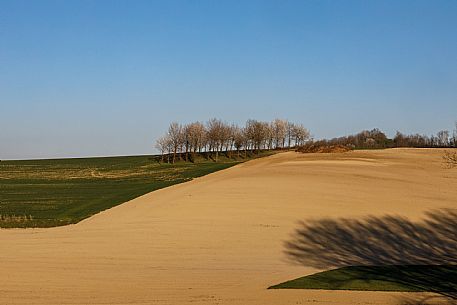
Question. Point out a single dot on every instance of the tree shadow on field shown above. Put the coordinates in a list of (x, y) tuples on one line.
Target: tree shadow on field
[(426, 300), (423, 254)]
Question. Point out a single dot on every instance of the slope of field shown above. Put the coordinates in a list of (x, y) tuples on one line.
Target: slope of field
[(219, 239), (48, 193)]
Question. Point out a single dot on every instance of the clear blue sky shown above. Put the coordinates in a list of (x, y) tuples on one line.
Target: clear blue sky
[(85, 78)]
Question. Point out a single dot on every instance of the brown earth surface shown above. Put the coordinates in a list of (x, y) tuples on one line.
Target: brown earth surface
[(219, 239)]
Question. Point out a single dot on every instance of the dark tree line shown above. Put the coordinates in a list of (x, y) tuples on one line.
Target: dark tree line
[(366, 139), (216, 136), (375, 138), (442, 139)]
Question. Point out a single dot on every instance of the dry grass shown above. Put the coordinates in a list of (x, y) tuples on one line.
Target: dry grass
[(318, 148), (450, 158)]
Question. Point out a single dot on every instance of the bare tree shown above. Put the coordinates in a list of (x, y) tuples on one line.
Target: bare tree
[(231, 133), (280, 132), (249, 132), (247, 140), (289, 132), (185, 141), (196, 135), (225, 137), (215, 135), (443, 137), (162, 144), (256, 132), (238, 139), (175, 135), (269, 135), (300, 134)]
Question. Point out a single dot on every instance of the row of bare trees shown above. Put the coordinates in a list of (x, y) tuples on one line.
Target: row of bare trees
[(217, 136)]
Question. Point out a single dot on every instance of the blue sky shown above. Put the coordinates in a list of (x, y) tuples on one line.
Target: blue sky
[(88, 78)]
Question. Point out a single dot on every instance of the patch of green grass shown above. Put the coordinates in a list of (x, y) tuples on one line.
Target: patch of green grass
[(56, 192), (407, 278)]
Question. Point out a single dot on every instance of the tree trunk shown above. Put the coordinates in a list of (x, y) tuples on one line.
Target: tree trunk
[(187, 148)]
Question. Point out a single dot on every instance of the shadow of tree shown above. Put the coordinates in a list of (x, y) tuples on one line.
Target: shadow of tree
[(384, 241)]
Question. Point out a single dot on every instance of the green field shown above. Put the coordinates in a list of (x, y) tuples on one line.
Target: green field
[(56, 192), (408, 278)]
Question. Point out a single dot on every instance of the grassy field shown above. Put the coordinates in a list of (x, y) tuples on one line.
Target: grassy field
[(56, 192), (408, 278)]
